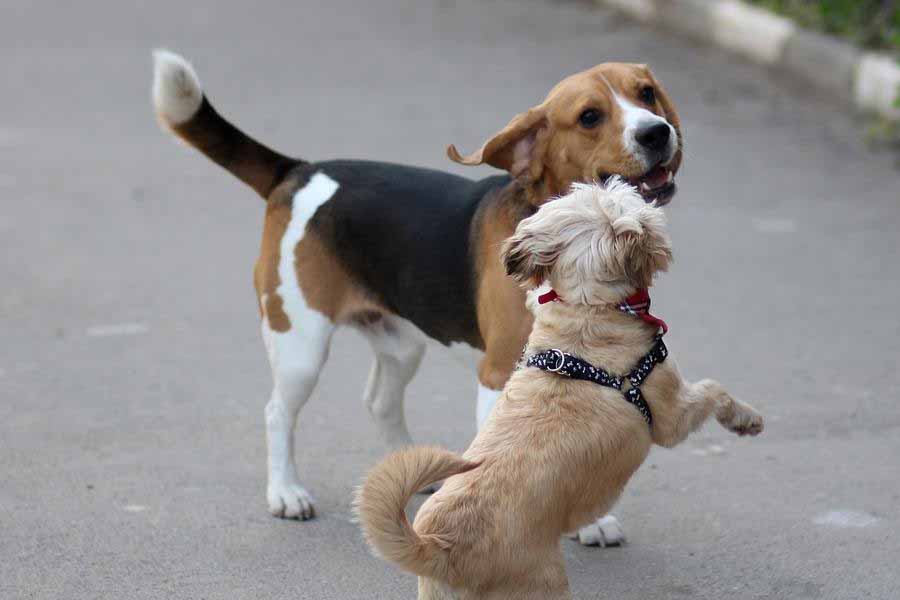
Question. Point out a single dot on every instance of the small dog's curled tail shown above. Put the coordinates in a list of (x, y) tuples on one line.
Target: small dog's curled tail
[(381, 501), (182, 108)]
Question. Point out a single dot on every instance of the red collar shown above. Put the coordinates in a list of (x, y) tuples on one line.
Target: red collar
[(550, 296), (637, 305)]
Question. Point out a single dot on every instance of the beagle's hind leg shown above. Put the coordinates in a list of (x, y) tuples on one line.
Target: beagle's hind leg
[(398, 348), (298, 320), (296, 358)]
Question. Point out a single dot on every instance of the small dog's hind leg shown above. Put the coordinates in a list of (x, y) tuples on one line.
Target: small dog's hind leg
[(398, 348), (296, 358)]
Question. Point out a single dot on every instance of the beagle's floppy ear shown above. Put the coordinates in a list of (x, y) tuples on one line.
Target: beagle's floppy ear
[(529, 255), (513, 148)]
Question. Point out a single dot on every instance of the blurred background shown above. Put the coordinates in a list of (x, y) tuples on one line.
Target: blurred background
[(133, 379)]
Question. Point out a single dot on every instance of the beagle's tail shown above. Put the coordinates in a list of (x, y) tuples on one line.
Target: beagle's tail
[(182, 108), (380, 508)]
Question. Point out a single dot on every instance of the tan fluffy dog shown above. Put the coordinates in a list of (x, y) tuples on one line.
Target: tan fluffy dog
[(556, 452)]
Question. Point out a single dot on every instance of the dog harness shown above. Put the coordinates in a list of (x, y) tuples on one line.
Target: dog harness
[(567, 365)]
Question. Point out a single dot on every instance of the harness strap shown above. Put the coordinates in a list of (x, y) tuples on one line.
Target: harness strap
[(567, 365)]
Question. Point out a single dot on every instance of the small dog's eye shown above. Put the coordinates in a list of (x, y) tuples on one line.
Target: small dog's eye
[(648, 95), (590, 118)]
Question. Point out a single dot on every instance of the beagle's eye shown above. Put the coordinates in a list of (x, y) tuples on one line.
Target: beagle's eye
[(590, 118), (648, 95)]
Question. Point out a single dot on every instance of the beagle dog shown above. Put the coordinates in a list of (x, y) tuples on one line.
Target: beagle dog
[(403, 253), (595, 390)]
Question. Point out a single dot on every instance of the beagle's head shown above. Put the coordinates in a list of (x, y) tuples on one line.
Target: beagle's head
[(613, 119), (596, 245)]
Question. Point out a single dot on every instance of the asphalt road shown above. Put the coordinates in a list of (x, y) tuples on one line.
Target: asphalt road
[(133, 379)]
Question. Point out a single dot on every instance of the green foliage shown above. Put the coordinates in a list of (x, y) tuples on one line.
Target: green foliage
[(882, 133), (868, 23)]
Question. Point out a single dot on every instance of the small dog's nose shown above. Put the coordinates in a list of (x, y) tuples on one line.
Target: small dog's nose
[(655, 137)]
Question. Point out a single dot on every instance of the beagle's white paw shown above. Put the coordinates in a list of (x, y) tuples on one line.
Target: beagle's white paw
[(290, 501), (604, 532)]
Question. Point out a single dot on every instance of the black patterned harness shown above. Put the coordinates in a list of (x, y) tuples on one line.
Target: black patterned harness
[(562, 363)]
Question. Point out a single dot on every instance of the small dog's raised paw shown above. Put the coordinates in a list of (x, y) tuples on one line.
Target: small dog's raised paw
[(745, 421), (603, 532), (290, 501)]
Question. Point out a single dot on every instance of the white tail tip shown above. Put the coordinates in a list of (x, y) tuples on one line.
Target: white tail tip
[(177, 94)]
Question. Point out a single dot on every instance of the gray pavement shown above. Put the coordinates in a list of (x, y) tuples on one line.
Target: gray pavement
[(133, 379)]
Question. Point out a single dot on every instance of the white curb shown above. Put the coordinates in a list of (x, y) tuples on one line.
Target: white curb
[(751, 31), (642, 10), (755, 33), (878, 84)]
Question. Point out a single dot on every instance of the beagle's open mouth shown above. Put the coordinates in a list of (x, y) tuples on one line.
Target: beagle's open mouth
[(656, 185)]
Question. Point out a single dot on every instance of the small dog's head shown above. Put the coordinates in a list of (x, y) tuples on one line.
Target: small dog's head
[(596, 245), (612, 119)]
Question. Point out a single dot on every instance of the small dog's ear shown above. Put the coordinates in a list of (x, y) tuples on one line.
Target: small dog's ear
[(628, 223), (528, 258), (642, 238)]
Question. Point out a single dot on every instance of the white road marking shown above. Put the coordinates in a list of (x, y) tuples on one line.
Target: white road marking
[(117, 329), (134, 508), (711, 450), (846, 518)]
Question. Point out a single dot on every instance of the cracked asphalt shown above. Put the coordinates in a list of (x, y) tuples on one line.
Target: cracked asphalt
[(133, 379)]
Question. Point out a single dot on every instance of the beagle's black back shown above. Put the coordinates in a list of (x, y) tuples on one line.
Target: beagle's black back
[(407, 235)]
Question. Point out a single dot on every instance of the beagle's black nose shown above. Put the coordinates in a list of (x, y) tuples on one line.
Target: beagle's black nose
[(655, 137)]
